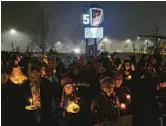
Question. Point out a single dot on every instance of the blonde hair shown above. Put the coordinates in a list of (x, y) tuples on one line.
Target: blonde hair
[(63, 94)]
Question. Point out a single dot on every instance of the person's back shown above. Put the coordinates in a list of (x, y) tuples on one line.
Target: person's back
[(4, 97), (145, 110)]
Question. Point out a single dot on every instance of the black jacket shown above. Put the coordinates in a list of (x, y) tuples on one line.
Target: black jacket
[(122, 93), (15, 98), (46, 96), (103, 109), (145, 109)]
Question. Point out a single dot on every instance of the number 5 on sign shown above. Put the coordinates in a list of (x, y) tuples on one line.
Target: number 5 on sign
[(86, 19)]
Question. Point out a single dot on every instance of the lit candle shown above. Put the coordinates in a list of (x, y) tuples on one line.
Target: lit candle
[(123, 106), (54, 71), (30, 101), (128, 97), (17, 78), (129, 77)]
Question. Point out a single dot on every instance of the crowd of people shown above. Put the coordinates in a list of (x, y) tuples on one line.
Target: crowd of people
[(92, 91)]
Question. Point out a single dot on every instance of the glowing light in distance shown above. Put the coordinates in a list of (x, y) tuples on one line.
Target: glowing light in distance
[(13, 31), (105, 39), (128, 40), (58, 42), (77, 50), (146, 40)]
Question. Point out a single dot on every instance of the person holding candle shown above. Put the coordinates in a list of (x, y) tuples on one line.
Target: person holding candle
[(128, 71), (52, 76), (42, 96), (4, 96), (68, 97), (161, 95), (144, 105), (124, 99), (17, 92), (103, 106)]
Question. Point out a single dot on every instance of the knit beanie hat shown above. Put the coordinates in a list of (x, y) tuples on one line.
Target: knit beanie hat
[(106, 82), (66, 80), (36, 67), (118, 76)]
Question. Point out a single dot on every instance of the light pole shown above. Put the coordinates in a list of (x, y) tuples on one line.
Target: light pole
[(58, 46), (124, 46), (105, 41), (134, 44), (12, 32), (126, 43), (147, 45), (82, 45)]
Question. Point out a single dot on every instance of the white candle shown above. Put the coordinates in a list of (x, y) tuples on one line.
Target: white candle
[(30, 101)]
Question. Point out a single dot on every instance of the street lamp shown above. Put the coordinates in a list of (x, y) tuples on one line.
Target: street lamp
[(126, 43), (147, 45), (58, 42), (110, 43), (128, 40), (12, 31), (105, 43), (146, 41), (77, 50), (105, 39), (82, 41)]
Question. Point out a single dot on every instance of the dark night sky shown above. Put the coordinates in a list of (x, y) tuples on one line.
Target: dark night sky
[(122, 19)]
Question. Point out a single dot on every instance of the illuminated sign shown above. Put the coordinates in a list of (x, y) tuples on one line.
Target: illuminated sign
[(93, 16), (96, 15), (94, 32)]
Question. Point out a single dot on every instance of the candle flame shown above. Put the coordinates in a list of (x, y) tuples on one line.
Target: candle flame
[(123, 106), (30, 101), (129, 77), (128, 96)]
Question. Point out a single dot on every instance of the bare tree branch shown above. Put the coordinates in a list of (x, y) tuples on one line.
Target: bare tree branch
[(43, 32)]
